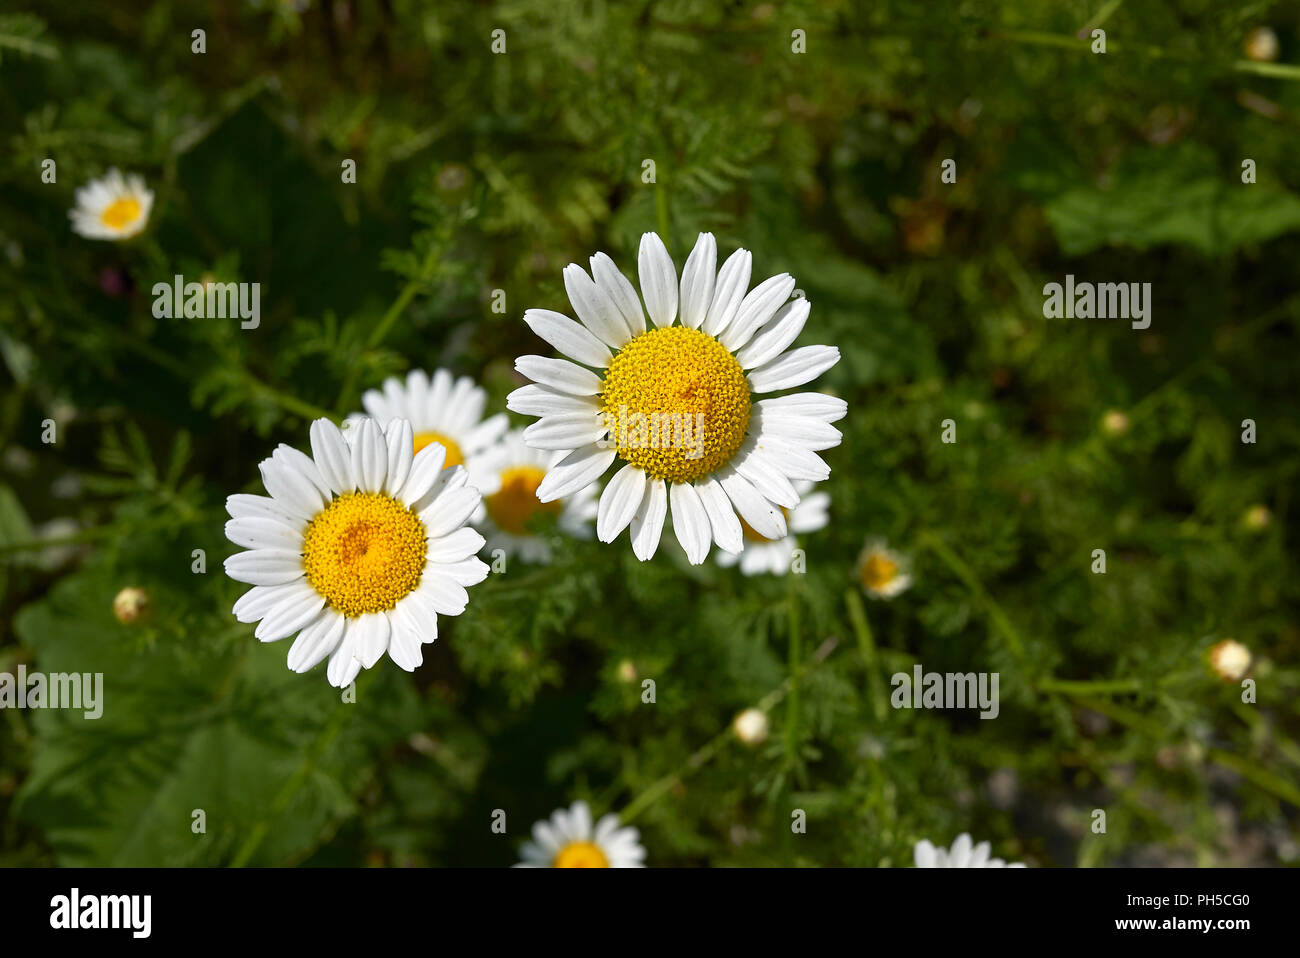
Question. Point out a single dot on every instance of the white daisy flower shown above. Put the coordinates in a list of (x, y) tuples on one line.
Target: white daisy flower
[(442, 409), (963, 854), (674, 403), (569, 841), (508, 474), (883, 572), (774, 555), (358, 548), (112, 208)]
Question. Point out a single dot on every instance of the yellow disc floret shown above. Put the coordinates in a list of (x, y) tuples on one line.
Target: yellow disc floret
[(364, 552), (120, 213), (454, 456), (878, 570), (515, 503), (676, 403), (581, 855)]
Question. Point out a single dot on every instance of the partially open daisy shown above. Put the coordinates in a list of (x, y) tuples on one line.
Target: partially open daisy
[(568, 840), (508, 473), (963, 854), (112, 208), (674, 402), (444, 410), (882, 572), (358, 549), (774, 555)]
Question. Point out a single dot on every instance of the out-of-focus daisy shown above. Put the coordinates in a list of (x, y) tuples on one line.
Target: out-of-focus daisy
[(112, 208), (963, 854), (508, 473), (1230, 660), (883, 572), (568, 840), (444, 410), (751, 726), (358, 549), (773, 555), (674, 402)]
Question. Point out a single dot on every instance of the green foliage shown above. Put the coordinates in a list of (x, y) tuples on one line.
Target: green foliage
[(479, 172)]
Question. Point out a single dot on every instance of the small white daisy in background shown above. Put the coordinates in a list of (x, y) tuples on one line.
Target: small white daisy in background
[(751, 726), (773, 555), (508, 473), (130, 605), (112, 208), (358, 549), (568, 840), (882, 572), (674, 402), (963, 854), (1230, 660), (440, 409)]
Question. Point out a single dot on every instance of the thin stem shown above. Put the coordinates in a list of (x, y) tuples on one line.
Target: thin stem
[(867, 647), (971, 581), (795, 657)]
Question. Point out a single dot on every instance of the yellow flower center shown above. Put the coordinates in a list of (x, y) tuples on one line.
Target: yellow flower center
[(120, 213), (581, 855), (364, 552), (454, 456), (878, 571), (676, 403), (515, 503)]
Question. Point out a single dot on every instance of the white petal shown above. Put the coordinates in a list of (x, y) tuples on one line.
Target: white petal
[(423, 615), (426, 468), (648, 523), (794, 461), (264, 566), (658, 280), (722, 515), (620, 290), (534, 400), (467, 571), (292, 491), (560, 374), (371, 632), (568, 431), (345, 662), (316, 641), (461, 544), (770, 341), (241, 505), (404, 640), (332, 456), (568, 337), (691, 522), (698, 277), (289, 616), (574, 472), (812, 405), (619, 501), (447, 596), (771, 483), (756, 309), (261, 599), (449, 511), (763, 517), (258, 533), (595, 309), (400, 439), (299, 462), (728, 292), (797, 430), (369, 455), (793, 368)]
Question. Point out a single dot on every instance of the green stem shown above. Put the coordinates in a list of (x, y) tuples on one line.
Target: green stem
[(795, 657), (867, 647), (1094, 687), (960, 569)]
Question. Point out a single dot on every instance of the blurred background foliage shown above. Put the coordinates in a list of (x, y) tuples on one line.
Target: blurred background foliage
[(479, 171)]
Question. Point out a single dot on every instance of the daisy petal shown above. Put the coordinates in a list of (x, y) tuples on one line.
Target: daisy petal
[(772, 339), (372, 632), (264, 566), (426, 467), (620, 290), (369, 455), (449, 511), (691, 522), (813, 405), (619, 501), (332, 456), (648, 523), (400, 440), (595, 309), (345, 662), (259, 533), (658, 280), (567, 432), (574, 472), (290, 615), (316, 641), (560, 374), (763, 517), (533, 400), (722, 515), (568, 337), (793, 368), (728, 292), (459, 545), (756, 309), (698, 277)]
